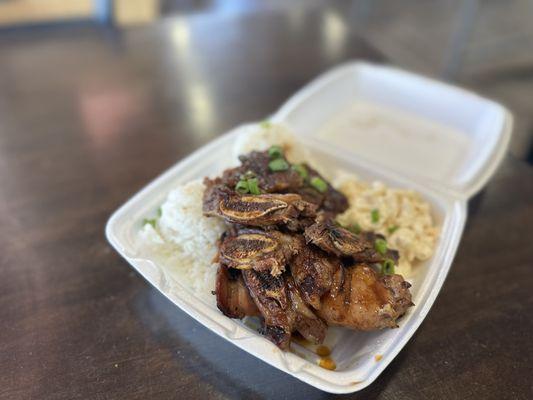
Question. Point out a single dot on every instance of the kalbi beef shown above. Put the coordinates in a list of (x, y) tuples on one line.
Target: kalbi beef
[(283, 258), (270, 296), (366, 300), (337, 240), (269, 181), (214, 192), (289, 181), (265, 210), (263, 251), (313, 271), (233, 298), (311, 195), (283, 309), (333, 202)]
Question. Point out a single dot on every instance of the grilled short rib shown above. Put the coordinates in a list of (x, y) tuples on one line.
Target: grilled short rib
[(282, 308), (337, 240), (331, 201), (256, 164), (264, 210), (313, 271), (284, 259), (264, 251)]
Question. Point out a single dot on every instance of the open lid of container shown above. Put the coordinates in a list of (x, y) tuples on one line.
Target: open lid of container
[(448, 137)]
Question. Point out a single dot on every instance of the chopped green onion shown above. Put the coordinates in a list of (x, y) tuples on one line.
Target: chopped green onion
[(381, 246), (355, 228), (302, 171), (265, 124), (253, 186), (319, 184), (275, 152), (387, 267), (374, 214), (393, 229), (242, 187), (151, 221), (279, 164)]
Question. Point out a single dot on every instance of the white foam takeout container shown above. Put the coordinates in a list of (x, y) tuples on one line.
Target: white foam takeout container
[(446, 180)]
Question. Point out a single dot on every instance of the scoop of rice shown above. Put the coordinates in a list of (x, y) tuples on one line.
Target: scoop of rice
[(183, 223), (268, 134), (183, 240)]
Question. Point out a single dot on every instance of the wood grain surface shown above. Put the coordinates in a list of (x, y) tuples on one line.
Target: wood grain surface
[(88, 116)]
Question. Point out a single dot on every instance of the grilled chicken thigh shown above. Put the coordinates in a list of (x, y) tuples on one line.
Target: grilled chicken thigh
[(366, 300)]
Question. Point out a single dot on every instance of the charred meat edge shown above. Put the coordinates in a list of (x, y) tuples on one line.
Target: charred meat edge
[(265, 210), (366, 300), (233, 298), (264, 251), (340, 241)]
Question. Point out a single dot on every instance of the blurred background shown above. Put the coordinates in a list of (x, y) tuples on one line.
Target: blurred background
[(98, 97), (102, 66)]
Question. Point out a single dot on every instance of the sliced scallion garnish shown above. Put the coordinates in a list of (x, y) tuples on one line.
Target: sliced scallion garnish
[(150, 221), (374, 215), (302, 171), (242, 187), (381, 246), (387, 267), (253, 186), (355, 228), (279, 164), (275, 152), (319, 184), (392, 229)]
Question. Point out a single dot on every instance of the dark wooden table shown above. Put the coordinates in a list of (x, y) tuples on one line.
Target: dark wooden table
[(88, 116)]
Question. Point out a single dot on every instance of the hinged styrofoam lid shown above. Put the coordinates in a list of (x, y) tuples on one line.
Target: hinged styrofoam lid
[(446, 136)]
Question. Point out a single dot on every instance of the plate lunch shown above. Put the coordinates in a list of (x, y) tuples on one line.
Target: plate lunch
[(465, 157)]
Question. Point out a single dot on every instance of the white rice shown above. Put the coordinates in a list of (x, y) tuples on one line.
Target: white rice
[(183, 240), (267, 135)]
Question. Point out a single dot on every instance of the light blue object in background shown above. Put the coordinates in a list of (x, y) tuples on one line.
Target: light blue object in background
[(102, 10)]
